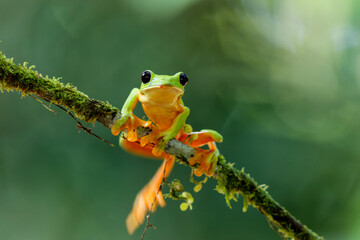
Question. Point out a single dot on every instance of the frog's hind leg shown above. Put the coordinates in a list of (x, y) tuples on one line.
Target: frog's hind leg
[(206, 136), (150, 196), (206, 158)]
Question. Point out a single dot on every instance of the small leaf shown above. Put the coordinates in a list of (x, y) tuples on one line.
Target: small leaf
[(197, 188), (188, 196), (184, 206)]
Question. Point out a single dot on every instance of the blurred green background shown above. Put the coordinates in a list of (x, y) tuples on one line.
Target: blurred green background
[(279, 79)]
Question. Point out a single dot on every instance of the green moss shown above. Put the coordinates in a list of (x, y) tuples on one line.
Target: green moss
[(231, 182), (24, 79)]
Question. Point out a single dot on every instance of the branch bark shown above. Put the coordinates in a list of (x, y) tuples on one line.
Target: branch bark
[(231, 181)]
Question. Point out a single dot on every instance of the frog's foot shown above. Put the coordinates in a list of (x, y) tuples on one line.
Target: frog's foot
[(131, 123), (157, 139), (150, 139), (150, 196), (207, 160)]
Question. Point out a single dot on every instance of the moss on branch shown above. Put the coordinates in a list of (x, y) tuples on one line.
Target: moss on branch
[(231, 181), (24, 79)]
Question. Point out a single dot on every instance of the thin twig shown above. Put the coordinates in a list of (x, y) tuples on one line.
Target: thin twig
[(44, 105), (82, 127), (79, 126), (152, 204)]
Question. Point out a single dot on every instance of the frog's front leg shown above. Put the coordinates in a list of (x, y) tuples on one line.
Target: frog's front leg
[(165, 136), (128, 120)]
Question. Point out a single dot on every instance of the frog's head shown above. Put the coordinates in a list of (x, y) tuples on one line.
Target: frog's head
[(152, 81)]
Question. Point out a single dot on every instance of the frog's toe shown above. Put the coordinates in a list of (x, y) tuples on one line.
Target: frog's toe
[(151, 138), (161, 141), (159, 149), (144, 141), (131, 135), (131, 125), (115, 131), (119, 125)]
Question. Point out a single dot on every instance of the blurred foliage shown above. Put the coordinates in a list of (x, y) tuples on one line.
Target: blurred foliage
[(279, 79)]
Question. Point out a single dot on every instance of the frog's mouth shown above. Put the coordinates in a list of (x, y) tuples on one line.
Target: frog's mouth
[(160, 93)]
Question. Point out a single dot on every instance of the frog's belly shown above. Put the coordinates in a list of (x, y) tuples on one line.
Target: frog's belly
[(162, 116)]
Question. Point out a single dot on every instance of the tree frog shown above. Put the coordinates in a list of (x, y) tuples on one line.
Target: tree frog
[(160, 96)]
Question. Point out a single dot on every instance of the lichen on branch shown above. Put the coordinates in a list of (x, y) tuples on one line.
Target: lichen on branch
[(231, 181)]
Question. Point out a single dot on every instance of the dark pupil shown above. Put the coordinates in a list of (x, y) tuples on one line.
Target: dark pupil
[(183, 79), (145, 76)]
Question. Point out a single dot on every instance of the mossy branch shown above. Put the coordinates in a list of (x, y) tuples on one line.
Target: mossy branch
[(231, 181)]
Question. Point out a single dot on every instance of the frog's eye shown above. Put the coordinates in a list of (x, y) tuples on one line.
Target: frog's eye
[(146, 76), (183, 79)]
